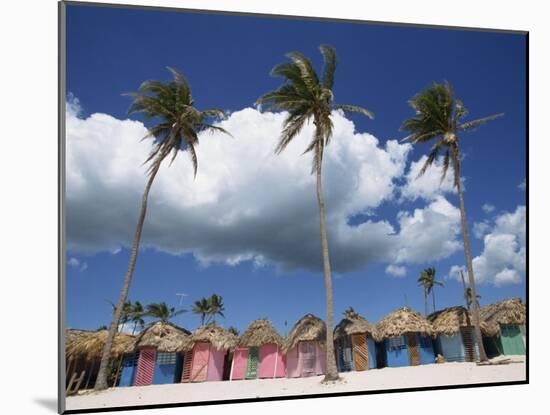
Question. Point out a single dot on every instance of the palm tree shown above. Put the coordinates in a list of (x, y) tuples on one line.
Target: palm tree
[(202, 308), (161, 312), (124, 316), (233, 330), (216, 307), (136, 316), (428, 281), (177, 128), (439, 117), (469, 298), (307, 97)]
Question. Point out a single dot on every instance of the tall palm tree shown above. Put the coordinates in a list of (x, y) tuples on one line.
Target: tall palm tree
[(428, 281), (469, 298), (177, 125), (439, 117), (216, 307), (307, 97), (161, 312), (202, 308)]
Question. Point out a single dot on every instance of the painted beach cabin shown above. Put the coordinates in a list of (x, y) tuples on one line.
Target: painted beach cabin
[(455, 334), (305, 348), (83, 351), (207, 354), (506, 320), (405, 339), (157, 359), (354, 343), (259, 353)]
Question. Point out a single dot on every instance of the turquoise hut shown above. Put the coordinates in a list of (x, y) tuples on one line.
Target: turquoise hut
[(406, 339), (506, 322)]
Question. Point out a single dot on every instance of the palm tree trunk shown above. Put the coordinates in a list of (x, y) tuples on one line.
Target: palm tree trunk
[(332, 370), (101, 382), (456, 167), (433, 297), (425, 302), (465, 291)]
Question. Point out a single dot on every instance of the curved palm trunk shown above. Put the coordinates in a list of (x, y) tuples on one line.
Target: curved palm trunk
[(101, 382), (456, 166), (332, 370)]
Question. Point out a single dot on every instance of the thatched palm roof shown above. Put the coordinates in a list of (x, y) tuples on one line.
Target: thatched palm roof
[(219, 337), (354, 323), (308, 328), (89, 344), (449, 321), (402, 321), (509, 311), (166, 337), (260, 332)]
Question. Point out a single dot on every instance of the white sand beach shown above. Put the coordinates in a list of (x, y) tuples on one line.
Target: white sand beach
[(372, 380)]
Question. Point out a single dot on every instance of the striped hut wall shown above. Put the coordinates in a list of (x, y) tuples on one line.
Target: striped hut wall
[(145, 366)]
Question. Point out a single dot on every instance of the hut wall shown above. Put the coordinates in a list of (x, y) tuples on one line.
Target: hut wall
[(397, 354), (512, 340), (425, 349), (522, 329), (240, 360), (280, 371), (293, 363), (271, 361), (372, 353), (215, 364), (145, 366), (128, 371), (167, 368), (451, 347), (320, 360), (199, 366), (344, 356), (492, 346)]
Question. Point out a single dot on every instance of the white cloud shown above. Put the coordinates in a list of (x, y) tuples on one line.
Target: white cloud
[(73, 262), (481, 228), (487, 208), (428, 186), (396, 270), (523, 185), (502, 260), (77, 264), (246, 203)]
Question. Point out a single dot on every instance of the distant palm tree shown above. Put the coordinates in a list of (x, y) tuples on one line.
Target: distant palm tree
[(428, 281), (202, 308), (216, 307), (104, 327), (124, 316), (469, 298), (161, 312), (438, 117), (178, 126), (233, 330), (136, 316), (307, 97)]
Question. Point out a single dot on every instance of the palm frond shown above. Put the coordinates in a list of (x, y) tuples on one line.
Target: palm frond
[(470, 125), (446, 160), (431, 158), (354, 108), (308, 74), (329, 66)]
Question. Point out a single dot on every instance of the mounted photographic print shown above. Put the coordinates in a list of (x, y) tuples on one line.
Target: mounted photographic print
[(259, 207)]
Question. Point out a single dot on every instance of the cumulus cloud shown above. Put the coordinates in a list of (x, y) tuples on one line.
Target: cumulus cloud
[(428, 186), (247, 204), (523, 185), (396, 270), (487, 208), (502, 260), (481, 228)]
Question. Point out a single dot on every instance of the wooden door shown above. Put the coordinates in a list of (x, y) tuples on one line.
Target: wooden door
[(360, 351), (412, 345), (252, 364), (186, 371), (145, 366), (199, 367), (307, 354), (468, 342)]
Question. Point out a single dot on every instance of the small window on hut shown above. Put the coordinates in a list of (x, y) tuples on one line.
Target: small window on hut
[(395, 343), (166, 358), (130, 360), (425, 342)]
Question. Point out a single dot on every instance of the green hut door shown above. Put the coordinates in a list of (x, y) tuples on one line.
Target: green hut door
[(252, 364), (512, 340)]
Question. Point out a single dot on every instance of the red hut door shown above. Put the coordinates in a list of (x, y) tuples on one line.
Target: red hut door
[(199, 367), (145, 366), (307, 352)]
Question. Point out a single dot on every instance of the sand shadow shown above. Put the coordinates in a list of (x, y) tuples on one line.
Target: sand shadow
[(48, 403)]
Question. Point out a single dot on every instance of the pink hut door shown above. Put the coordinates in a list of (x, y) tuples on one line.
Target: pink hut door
[(215, 364), (199, 367), (280, 369), (145, 366), (320, 360), (268, 361), (307, 356), (240, 360), (293, 366)]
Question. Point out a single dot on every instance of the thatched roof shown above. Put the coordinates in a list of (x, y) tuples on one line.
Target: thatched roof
[(449, 321), (402, 321), (308, 328), (89, 344), (509, 311), (260, 332), (216, 335), (166, 337), (353, 323)]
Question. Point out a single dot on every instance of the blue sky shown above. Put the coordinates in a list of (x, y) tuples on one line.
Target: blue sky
[(227, 60)]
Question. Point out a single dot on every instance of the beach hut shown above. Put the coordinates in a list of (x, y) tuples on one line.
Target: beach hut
[(83, 351), (158, 359), (455, 331), (506, 321), (305, 348), (259, 353), (354, 340), (207, 354), (406, 339)]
